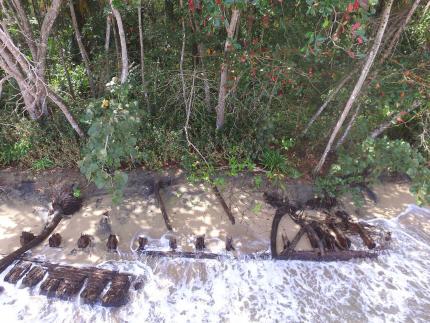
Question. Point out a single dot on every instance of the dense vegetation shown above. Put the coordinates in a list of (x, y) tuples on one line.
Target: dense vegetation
[(210, 84)]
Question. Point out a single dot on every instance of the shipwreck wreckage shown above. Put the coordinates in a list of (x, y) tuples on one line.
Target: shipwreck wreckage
[(331, 232)]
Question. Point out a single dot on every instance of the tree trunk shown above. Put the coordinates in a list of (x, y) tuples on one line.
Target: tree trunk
[(348, 128), (106, 70), (370, 59), (220, 108), (59, 103), (142, 54), (82, 49), (42, 51), (117, 46), (124, 55)]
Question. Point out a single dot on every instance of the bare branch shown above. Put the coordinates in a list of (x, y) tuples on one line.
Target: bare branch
[(124, 55), (365, 71), (220, 108), (327, 101)]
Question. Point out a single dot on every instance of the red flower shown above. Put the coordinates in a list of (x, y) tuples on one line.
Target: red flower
[(360, 40), (356, 5), (355, 26), (218, 2), (191, 5)]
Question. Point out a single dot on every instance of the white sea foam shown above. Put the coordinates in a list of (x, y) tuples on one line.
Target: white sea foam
[(393, 288)]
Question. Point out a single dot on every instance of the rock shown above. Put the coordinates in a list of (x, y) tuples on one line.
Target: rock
[(1, 289)]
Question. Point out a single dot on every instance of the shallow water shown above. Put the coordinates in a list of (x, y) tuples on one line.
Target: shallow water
[(394, 288)]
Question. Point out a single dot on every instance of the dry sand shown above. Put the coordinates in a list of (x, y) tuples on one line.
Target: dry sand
[(193, 210)]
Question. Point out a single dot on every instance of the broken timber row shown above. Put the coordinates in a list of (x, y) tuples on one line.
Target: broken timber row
[(66, 282)]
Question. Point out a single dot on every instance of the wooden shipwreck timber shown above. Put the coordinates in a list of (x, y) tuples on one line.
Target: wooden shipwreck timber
[(330, 234), (66, 282)]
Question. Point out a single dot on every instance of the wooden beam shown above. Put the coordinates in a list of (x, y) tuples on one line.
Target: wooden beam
[(223, 204), (162, 206)]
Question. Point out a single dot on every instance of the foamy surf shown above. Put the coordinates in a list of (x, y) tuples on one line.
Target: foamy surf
[(394, 288)]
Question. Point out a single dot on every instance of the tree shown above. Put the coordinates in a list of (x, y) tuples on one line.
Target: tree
[(356, 91)]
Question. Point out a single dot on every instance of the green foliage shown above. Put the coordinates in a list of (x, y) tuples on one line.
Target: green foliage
[(112, 138), (274, 161), (77, 192), (372, 158), (42, 164), (10, 153)]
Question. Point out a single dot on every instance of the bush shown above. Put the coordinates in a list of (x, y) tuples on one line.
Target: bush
[(369, 161)]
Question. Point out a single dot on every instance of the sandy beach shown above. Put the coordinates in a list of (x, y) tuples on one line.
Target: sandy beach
[(192, 207)]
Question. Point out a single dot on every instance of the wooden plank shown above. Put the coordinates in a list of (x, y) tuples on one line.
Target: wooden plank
[(70, 287), (328, 256), (17, 272), (314, 239), (49, 286), (223, 204), (34, 276), (94, 287), (117, 294), (162, 206), (295, 241)]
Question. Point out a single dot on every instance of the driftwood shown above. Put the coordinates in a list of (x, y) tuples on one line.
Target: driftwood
[(229, 244), (84, 241), (112, 242), (66, 281), (70, 284), (162, 206), (34, 276), (200, 243), (315, 241), (55, 240), (17, 272), (343, 241), (6, 261), (223, 204), (368, 241), (328, 256), (26, 237), (118, 291), (295, 241), (95, 285), (173, 244), (49, 286), (142, 241)]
